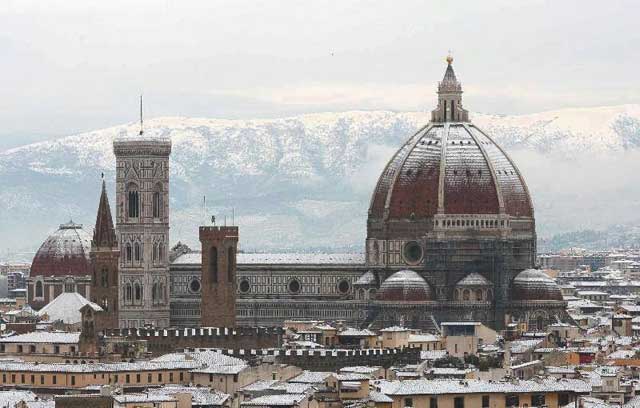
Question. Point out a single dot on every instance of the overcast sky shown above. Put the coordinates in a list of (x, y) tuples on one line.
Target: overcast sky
[(71, 66)]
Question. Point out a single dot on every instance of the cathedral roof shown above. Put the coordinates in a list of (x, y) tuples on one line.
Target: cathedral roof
[(405, 285), (449, 167), (473, 279), (533, 284), (65, 252)]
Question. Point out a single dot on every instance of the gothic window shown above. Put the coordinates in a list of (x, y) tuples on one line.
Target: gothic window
[(128, 252), (154, 293), (128, 293), (478, 294), (105, 277), (160, 252), (230, 259), (136, 252), (39, 289), (133, 201), (161, 293), (138, 292), (156, 202), (213, 264)]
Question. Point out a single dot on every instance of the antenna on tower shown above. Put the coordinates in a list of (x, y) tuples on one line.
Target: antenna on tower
[(233, 216), (204, 207), (141, 122)]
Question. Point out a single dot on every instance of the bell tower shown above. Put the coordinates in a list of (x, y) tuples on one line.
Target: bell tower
[(218, 305), (104, 256)]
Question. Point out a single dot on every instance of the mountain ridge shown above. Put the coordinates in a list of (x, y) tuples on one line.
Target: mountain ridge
[(304, 181)]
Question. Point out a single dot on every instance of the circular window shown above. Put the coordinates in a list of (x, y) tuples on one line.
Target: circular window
[(244, 286), (294, 286), (412, 252), (343, 286), (194, 286)]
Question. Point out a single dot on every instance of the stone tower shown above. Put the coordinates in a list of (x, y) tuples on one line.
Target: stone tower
[(218, 305), (142, 197), (104, 256)]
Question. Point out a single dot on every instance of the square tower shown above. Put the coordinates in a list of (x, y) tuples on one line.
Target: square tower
[(219, 247), (142, 223)]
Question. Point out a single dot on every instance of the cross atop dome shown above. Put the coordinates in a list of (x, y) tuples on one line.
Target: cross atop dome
[(449, 107)]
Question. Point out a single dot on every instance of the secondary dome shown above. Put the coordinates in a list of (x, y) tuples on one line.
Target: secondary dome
[(405, 286), (65, 252), (450, 167), (533, 284)]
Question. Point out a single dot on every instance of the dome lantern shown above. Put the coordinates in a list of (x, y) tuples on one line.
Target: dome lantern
[(449, 107)]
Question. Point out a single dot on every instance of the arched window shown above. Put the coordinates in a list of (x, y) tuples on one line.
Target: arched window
[(156, 202), (155, 252), (105, 304), (136, 252), (154, 293), (133, 201), (230, 265), (163, 294), (138, 292), (69, 286), (213, 264), (478, 294), (128, 296), (39, 289), (466, 295), (104, 277), (128, 252)]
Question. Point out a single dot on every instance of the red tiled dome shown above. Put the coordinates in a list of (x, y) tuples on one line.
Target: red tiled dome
[(65, 252), (405, 285), (533, 284), (453, 165)]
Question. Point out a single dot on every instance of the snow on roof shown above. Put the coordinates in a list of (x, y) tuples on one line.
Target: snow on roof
[(311, 377), (142, 398), (356, 332), (43, 337), (276, 400), (259, 385), (66, 308), (97, 367), (376, 396), (360, 369), (282, 259), (437, 387), (522, 346), (433, 354), (367, 278), (421, 338), (200, 396), (12, 397), (395, 329), (210, 361)]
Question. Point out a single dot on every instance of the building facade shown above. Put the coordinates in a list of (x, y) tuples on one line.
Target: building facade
[(142, 224)]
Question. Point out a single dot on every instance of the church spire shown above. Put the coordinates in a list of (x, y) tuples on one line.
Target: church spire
[(104, 235), (449, 107)]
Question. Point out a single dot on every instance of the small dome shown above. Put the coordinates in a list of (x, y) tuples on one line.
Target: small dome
[(65, 252), (473, 279), (533, 284), (405, 286)]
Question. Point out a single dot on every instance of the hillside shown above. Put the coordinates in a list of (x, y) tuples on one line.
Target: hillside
[(304, 182)]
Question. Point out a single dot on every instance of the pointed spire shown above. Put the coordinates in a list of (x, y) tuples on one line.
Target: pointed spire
[(449, 107), (104, 234)]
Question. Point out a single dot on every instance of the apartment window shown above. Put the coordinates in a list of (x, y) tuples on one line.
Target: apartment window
[(115, 379), (4, 378), (537, 400), (13, 378), (32, 349), (170, 377), (42, 379), (73, 380), (137, 378), (127, 379), (512, 401), (33, 379), (485, 401), (56, 349), (408, 402), (19, 349), (458, 402), (433, 402), (210, 377), (54, 380), (159, 377), (181, 376), (22, 378), (149, 379)]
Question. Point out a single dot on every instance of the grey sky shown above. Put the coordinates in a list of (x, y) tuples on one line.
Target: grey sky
[(70, 66)]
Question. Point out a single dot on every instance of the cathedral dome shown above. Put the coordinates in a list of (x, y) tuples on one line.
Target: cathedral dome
[(533, 284), (450, 167), (405, 286), (65, 252)]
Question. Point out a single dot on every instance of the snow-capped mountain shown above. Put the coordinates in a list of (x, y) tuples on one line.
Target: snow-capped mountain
[(305, 181)]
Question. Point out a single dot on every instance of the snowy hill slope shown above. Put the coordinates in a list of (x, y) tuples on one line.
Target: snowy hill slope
[(305, 181)]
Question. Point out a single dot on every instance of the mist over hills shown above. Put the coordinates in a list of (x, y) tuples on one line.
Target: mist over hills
[(304, 182)]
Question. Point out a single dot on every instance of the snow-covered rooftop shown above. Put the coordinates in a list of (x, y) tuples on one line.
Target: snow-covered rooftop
[(66, 308)]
